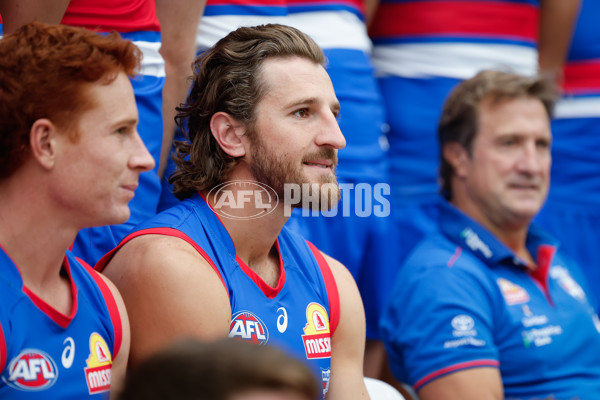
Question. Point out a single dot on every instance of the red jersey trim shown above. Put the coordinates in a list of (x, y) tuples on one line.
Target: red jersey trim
[(119, 15), (454, 368), (61, 319), (331, 285), (462, 18), (545, 253), (111, 304), (101, 264), (3, 350), (269, 291)]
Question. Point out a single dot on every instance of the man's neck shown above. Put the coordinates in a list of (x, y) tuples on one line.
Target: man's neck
[(35, 237), (254, 233), (513, 234)]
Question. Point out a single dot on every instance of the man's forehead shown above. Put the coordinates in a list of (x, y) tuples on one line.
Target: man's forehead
[(296, 80)]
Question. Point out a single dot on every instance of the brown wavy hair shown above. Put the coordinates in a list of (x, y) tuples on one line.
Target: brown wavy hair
[(227, 78), (44, 71)]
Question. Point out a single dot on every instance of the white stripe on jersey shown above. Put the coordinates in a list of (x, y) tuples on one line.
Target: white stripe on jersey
[(577, 107), (152, 63), (452, 60), (346, 30)]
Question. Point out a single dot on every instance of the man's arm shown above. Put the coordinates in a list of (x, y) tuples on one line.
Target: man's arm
[(18, 12), (467, 384), (370, 10), (557, 19), (348, 340), (179, 22), (119, 365), (170, 291)]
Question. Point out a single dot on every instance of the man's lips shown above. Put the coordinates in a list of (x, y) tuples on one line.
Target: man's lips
[(319, 163), (525, 186), (131, 187)]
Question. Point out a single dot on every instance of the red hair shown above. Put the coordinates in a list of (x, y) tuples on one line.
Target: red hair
[(45, 69)]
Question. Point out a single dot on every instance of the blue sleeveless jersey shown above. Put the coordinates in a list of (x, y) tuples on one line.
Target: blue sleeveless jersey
[(45, 354), (299, 315)]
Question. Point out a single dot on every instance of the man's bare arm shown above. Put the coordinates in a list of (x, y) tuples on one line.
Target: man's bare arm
[(348, 341), (557, 19), (119, 365), (18, 12), (170, 292), (179, 22)]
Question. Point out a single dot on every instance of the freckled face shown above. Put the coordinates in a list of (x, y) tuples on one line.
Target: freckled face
[(97, 174)]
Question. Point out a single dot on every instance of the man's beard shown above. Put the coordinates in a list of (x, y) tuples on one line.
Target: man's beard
[(277, 171)]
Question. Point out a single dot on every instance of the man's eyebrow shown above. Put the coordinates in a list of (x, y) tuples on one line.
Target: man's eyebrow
[(304, 101), (335, 107), (126, 121)]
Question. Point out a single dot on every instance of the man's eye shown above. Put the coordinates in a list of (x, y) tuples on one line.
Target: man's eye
[(302, 113), (543, 144)]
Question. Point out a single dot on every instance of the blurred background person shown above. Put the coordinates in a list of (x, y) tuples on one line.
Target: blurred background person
[(489, 306), (422, 49), (226, 369)]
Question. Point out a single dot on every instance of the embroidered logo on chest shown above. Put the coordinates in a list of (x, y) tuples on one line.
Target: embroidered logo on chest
[(513, 293), (249, 328), (31, 370)]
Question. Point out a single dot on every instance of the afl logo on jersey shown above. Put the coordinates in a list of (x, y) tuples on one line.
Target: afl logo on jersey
[(249, 328), (31, 370)]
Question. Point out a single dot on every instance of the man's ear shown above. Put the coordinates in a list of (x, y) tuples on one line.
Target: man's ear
[(458, 157), (228, 133), (42, 139)]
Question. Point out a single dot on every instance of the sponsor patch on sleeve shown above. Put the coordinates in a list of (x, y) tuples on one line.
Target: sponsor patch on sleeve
[(317, 336), (99, 363)]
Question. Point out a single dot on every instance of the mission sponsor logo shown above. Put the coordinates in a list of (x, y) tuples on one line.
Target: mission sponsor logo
[(249, 328), (513, 293), (317, 336), (99, 363), (31, 370)]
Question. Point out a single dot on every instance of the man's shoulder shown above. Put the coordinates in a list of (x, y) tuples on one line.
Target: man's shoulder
[(436, 248), (156, 246), (437, 259), (173, 216)]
